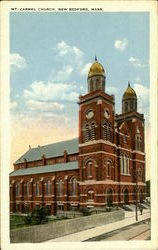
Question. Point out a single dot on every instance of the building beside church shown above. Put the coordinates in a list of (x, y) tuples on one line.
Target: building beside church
[(100, 167)]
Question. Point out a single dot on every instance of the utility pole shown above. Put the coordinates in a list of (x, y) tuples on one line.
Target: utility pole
[(136, 190)]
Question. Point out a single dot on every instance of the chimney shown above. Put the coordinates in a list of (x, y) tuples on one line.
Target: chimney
[(65, 156)]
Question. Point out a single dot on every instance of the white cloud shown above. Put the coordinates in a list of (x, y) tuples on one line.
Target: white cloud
[(111, 90), (136, 62), (63, 49), (44, 106), (121, 44), (143, 98), (34, 119), (17, 61), (72, 55), (64, 73), (85, 68), (51, 92)]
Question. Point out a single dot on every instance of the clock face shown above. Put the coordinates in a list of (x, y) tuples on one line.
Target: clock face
[(89, 114), (106, 114)]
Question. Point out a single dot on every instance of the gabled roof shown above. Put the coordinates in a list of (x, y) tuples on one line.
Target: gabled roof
[(50, 151), (46, 169)]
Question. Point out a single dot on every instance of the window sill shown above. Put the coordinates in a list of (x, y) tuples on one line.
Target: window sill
[(125, 174)]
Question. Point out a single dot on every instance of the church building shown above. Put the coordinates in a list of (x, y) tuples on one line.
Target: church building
[(105, 165)]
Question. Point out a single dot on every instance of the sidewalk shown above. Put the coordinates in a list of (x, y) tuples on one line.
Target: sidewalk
[(93, 232)]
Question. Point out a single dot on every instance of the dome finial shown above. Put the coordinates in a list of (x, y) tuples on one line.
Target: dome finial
[(95, 58), (129, 84)]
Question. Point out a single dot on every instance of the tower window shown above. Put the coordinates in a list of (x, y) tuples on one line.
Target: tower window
[(108, 165), (138, 142), (107, 132), (89, 132), (126, 106), (89, 169), (124, 162)]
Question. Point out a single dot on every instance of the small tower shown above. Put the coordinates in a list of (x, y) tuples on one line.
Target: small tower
[(129, 100), (96, 77)]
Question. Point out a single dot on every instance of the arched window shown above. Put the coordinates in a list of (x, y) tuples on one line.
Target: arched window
[(108, 168), (90, 195), (109, 195), (89, 169), (138, 142), (59, 187), (131, 105), (27, 188), (74, 187), (37, 188), (124, 162), (92, 131), (17, 189), (107, 131), (89, 132), (140, 173), (48, 188), (126, 106)]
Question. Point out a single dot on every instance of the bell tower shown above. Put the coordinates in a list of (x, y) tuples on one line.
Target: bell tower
[(129, 100), (96, 135), (96, 77)]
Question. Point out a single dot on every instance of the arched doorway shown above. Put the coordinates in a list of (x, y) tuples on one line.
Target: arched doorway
[(126, 196), (109, 194)]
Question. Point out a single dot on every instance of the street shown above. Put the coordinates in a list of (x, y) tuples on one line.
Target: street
[(139, 231)]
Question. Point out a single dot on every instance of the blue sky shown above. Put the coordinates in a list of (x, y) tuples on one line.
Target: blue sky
[(51, 53)]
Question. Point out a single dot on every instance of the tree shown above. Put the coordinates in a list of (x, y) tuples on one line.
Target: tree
[(148, 188)]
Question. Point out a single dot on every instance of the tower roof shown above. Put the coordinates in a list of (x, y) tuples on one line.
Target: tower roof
[(96, 69), (129, 93)]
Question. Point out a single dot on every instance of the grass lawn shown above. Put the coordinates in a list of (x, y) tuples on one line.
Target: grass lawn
[(17, 221)]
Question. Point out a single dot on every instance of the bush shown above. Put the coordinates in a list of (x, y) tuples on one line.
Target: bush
[(85, 211), (38, 216)]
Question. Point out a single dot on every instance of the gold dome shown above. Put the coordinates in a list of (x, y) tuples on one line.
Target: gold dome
[(96, 69), (129, 93)]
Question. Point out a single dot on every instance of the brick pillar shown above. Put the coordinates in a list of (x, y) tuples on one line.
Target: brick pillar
[(42, 190), (12, 198), (31, 194), (22, 196), (43, 159), (66, 193), (53, 206)]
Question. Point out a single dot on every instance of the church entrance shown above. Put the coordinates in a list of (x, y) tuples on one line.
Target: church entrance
[(109, 195), (126, 196)]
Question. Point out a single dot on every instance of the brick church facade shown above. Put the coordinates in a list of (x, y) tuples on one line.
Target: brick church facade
[(100, 167)]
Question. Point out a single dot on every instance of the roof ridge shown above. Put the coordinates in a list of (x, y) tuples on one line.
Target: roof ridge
[(38, 147)]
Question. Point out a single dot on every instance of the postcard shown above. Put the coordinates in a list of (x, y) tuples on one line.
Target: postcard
[(79, 125)]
